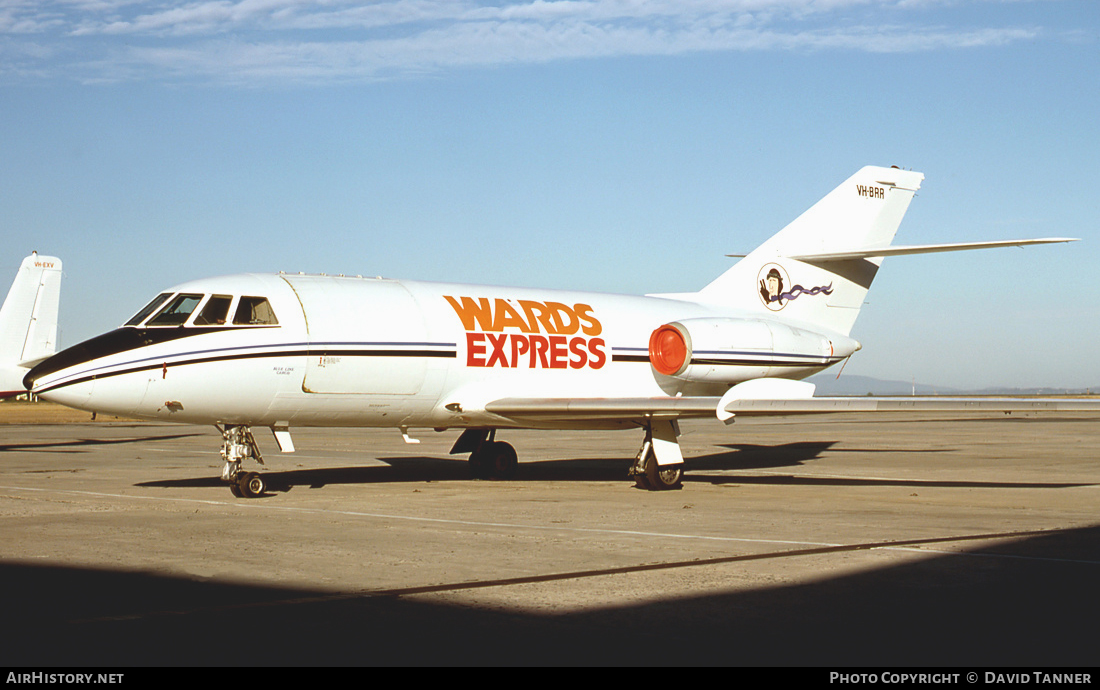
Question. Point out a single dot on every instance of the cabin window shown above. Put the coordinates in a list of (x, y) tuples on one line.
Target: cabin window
[(216, 311), (254, 311), (148, 309), (177, 311)]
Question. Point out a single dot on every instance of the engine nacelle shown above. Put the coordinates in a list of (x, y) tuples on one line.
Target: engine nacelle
[(727, 350)]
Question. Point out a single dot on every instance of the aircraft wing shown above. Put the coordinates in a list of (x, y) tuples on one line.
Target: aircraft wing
[(910, 404), (592, 409)]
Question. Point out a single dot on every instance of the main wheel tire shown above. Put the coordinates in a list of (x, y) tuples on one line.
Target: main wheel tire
[(252, 485), (494, 460), (663, 478), (502, 460)]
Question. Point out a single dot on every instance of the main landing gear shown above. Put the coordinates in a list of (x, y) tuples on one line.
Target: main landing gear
[(647, 471), (659, 465), (489, 458), (239, 444)]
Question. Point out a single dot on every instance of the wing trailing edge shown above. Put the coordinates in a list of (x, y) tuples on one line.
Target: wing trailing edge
[(596, 409)]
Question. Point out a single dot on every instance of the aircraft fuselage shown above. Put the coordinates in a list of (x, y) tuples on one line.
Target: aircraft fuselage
[(352, 351)]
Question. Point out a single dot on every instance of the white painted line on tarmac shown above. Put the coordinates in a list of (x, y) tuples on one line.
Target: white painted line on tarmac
[(877, 546)]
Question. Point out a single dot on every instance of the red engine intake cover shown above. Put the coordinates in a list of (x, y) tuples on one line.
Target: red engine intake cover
[(668, 351)]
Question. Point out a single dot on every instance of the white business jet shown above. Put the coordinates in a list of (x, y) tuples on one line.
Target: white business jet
[(28, 321), (315, 350)]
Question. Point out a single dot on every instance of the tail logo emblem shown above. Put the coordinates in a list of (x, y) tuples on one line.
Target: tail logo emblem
[(773, 280)]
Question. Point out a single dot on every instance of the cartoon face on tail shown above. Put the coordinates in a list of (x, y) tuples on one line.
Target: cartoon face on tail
[(773, 279)]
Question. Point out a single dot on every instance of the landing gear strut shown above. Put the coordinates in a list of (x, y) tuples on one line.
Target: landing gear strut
[(239, 444), (646, 471)]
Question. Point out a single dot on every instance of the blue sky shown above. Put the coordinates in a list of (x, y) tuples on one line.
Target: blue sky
[(622, 146)]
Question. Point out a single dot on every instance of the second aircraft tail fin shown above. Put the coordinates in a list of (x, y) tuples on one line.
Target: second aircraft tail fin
[(28, 318)]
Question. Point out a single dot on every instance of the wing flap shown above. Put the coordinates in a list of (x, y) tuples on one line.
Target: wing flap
[(592, 409), (597, 409)]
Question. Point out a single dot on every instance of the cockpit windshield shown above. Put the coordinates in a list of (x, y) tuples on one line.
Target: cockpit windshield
[(177, 311), (148, 309), (198, 310)]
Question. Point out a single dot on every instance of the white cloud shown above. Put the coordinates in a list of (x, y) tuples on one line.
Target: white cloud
[(249, 40)]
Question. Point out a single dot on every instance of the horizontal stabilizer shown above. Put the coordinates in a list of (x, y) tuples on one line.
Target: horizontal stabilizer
[(32, 363), (923, 249)]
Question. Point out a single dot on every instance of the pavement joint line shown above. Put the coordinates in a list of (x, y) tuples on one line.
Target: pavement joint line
[(905, 546)]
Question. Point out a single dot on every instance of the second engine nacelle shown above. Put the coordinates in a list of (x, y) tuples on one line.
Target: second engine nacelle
[(727, 350)]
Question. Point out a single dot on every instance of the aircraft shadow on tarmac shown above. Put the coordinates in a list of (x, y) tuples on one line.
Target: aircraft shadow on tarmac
[(409, 469), (1026, 600), (747, 456), (425, 468), (417, 469), (741, 458), (757, 457)]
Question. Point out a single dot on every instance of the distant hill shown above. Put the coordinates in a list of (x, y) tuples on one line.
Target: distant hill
[(828, 384)]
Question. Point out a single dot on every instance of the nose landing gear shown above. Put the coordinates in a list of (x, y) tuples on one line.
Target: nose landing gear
[(239, 444)]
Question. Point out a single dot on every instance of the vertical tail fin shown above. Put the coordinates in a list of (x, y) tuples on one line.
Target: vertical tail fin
[(28, 319), (862, 213)]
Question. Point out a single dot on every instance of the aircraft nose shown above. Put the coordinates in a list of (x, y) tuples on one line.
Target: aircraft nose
[(60, 381)]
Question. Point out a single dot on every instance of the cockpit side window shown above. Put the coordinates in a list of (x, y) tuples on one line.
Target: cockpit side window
[(177, 311), (216, 311), (148, 309), (255, 311)]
